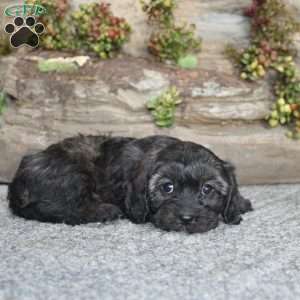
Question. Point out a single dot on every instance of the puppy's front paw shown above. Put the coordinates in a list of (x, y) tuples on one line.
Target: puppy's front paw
[(236, 221), (245, 205), (107, 213)]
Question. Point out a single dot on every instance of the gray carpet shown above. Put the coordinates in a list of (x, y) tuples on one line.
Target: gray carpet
[(258, 260)]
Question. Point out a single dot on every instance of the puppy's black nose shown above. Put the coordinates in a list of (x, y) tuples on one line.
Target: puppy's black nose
[(186, 218)]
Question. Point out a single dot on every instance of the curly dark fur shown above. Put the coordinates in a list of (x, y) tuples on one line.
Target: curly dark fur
[(97, 179)]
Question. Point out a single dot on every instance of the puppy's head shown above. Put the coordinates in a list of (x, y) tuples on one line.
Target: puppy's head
[(184, 187)]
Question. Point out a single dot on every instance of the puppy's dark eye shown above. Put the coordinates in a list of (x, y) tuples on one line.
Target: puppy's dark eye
[(168, 187), (206, 189)]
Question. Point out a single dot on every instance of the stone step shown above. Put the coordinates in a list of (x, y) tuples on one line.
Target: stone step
[(117, 91), (260, 155)]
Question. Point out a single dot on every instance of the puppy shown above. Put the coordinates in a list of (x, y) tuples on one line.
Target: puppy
[(176, 185)]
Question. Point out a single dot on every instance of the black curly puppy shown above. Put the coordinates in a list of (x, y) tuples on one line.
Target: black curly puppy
[(175, 185)]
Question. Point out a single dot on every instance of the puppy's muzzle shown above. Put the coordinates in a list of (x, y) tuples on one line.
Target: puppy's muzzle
[(187, 216)]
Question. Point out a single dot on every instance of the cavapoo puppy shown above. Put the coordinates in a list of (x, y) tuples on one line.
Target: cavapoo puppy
[(176, 185)]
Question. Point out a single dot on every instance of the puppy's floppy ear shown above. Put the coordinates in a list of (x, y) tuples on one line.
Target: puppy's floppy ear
[(235, 204), (136, 201)]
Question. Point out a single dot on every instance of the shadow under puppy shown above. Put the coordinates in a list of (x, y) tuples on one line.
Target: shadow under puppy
[(175, 185)]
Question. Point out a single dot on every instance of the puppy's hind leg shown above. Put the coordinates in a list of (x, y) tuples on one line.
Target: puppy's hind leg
[(51, 187)]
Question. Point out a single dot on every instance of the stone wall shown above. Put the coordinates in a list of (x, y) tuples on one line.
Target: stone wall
[(219, 111), (108, 97)]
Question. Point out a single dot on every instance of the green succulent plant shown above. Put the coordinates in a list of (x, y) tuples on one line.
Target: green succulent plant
[(98, 30), (170, 42), (163, 107), (160, 11), (174, 42), (59, 29)]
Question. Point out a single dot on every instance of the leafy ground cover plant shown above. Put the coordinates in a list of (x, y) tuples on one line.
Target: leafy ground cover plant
[(59, 30), (169, 41), (159, 10), (163, 107), (99, 30), (173, 43), (272, 48), (92, 27)]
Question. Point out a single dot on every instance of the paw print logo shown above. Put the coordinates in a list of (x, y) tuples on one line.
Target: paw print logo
[(24, 32)]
